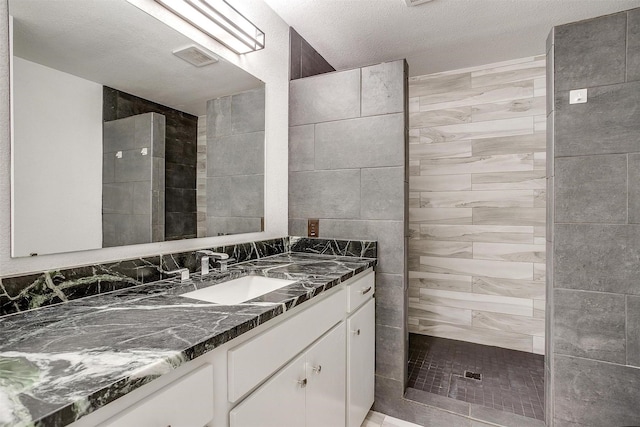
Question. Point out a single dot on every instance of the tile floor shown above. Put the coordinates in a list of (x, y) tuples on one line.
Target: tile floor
[(377, 419), (512, 381)]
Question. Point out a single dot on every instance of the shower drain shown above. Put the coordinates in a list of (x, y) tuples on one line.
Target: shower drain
[(473, 375)]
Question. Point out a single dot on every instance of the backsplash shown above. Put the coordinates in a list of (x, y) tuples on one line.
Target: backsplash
[(27, 292)]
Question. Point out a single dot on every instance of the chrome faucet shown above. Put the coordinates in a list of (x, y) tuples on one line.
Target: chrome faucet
[(184, 273), (204, 261), (223, 259), (207, 255)]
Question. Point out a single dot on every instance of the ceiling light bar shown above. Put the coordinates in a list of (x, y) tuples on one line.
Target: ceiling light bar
[(220, 21)]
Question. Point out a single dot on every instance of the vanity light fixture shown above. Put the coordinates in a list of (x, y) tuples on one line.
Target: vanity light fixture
[(220, 21)]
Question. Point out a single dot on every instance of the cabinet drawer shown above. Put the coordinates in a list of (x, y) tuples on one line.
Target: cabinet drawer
[(360, 290), (187, 402), (255, 360)]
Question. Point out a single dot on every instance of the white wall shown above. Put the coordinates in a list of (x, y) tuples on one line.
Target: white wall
[(271, 65), (57, 157)]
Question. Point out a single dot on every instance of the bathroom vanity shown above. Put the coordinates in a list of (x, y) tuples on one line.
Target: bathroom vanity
[(300, 355)]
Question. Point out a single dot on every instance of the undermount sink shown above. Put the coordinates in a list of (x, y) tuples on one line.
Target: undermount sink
[(238, 290)]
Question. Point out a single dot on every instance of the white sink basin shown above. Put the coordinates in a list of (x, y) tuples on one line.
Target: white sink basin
[(238, 290)]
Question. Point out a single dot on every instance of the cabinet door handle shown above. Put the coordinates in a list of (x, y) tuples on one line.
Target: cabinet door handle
[(357, 332), (317, 369), (365, 290), (302, 383)]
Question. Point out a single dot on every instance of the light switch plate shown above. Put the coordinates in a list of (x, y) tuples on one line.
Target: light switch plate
[(578, 96)]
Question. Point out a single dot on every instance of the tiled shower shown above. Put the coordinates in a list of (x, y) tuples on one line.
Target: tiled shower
[(477, 247)]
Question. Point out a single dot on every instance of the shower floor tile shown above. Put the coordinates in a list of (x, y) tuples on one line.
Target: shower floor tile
[(512, 381)]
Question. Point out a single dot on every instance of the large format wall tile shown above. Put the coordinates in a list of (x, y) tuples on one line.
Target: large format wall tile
[(325, 194), (477, 199), (633, 45), (477, 164), (524, 70), (609, 123), (597, 257), (590, 325), (333, 96), (593, 393), (477, 267), (383, 88), (509, 323), (445, 249), (443, 83), (633, 331), (440, 182), (507, 252), (390, 300), (590, 53), (446, 282), (509, 287), (633, 180), (382, 193), (348, 143), (241, 154), (591, 189), (525, 180), (389, 235), (248, 111), (440, 216), (448, 116), (474, 334), (509, 216), (476, 96), (301, 148), (527, 143), (478, 233), (251, 204), (481, 130)]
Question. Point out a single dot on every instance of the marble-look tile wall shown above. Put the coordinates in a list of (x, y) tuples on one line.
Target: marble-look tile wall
[(593, 375), (477, 204), (235, 163), (347, 168)]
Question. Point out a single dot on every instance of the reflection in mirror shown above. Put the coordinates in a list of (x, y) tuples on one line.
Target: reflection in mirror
[(124, 131)]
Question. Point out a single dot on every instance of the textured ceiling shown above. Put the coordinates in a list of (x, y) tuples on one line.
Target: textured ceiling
[(436, 36)]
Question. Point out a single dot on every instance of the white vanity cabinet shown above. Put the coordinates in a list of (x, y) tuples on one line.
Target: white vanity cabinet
[(313, 366), (308, 392), (360, 348)]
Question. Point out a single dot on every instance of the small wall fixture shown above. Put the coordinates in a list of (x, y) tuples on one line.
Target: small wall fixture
[(220, 21)]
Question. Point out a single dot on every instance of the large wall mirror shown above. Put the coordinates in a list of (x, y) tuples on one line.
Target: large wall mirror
[(124, 131)]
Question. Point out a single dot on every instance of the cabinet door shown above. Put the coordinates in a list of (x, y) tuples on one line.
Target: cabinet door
[(279, 402), (184, 403), (360, 363), (326, 373)]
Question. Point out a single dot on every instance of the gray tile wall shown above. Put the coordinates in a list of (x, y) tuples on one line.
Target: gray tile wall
[(133, 186), (234, 156), (347, 167), (304, 60), (592, 375)]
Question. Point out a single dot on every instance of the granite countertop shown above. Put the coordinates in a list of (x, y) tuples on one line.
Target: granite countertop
[(62, 362)]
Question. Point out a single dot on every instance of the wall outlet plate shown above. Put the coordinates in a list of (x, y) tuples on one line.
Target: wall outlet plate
[(578, 96), (313, 227)]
